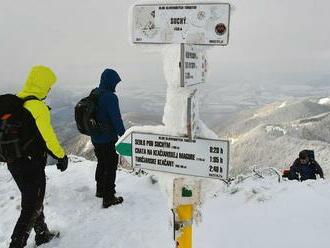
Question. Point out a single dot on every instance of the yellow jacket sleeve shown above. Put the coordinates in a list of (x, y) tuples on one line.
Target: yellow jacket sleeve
[(41, 114)]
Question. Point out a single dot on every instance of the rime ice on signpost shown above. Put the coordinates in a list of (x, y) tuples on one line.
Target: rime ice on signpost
[(193, 26)]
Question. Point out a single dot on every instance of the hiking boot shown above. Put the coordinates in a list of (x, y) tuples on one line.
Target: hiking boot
[(45, 237), (14, 244), (19, 241), (113, 200)]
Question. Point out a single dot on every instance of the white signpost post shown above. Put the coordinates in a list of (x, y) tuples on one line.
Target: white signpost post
[(190, 25)]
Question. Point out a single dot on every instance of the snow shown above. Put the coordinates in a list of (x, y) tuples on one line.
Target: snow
[(282, 105), (175, 110), (87, 146), (274, 129), (264, 213), (324, 101), (252, 212), (71, 207)]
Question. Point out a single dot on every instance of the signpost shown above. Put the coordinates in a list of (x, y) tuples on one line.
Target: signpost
[(193, 65), (204, 24), (192, 113), (178, 155), (190, 25), (185, 198)]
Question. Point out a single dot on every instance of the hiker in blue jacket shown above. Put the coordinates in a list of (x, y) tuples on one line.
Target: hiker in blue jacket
[(109, 117), (305, 168)]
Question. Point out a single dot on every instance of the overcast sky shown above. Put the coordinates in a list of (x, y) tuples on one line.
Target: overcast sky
[(78, 38)]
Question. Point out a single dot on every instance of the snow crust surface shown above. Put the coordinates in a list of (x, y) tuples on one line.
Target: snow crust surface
[(252, 212)]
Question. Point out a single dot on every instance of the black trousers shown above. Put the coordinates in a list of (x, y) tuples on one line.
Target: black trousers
[(107, 163), (29, 175)]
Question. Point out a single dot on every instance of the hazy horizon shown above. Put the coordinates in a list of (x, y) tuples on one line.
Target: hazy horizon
[(78, 39)]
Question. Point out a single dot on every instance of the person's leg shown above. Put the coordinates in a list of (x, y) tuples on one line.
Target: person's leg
[(110, 170), (110, 178), (40, 225), (43, 235), (30, 178), (100, 151)]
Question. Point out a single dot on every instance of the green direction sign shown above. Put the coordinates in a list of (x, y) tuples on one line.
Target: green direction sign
[(124, 146), (124, 149)]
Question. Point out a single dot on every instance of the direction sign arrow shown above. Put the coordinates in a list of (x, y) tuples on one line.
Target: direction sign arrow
[(178, 155)]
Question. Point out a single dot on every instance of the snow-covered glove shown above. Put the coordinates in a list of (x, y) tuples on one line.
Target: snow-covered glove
[(62, 163)]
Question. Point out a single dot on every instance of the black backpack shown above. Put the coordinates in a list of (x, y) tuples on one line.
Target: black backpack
[(85, 114), (18, 131)]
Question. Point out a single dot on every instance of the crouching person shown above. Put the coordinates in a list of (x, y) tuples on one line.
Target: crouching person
[(28, 169), (305, 167)]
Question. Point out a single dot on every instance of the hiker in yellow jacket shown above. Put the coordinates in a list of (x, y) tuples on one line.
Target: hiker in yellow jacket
[(29, 171)]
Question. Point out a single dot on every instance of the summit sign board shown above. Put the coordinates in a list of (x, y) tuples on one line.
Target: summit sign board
[(179, 155), (203, 23)]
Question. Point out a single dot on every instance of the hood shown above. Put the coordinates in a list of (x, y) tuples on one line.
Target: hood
[(38, 82), (109, 80)]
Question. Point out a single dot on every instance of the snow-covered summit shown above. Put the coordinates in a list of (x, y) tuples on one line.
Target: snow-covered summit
[(252, 212)]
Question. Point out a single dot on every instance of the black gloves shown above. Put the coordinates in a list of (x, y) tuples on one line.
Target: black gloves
[(62, 163)]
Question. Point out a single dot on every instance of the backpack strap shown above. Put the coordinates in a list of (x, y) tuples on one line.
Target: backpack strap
[(28, 98), (95, 93), (29, 142)]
